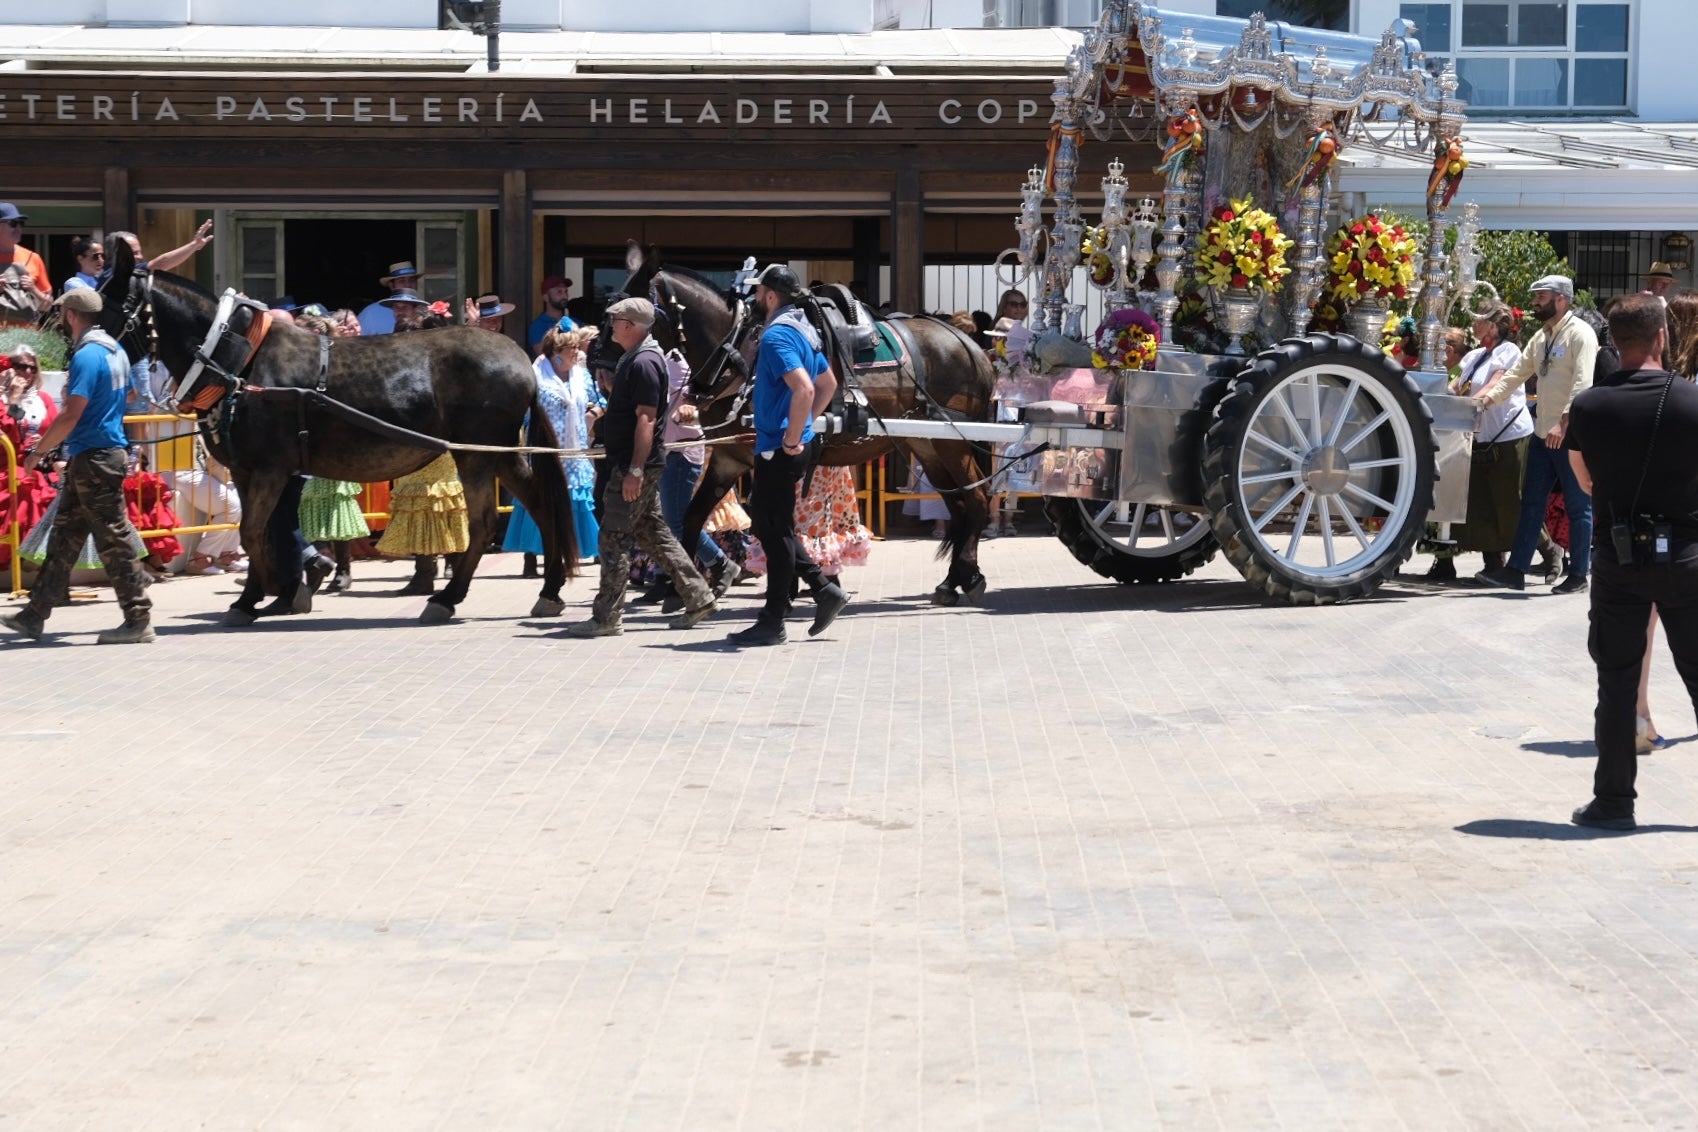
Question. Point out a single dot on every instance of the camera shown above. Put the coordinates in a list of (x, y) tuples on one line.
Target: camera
[(1646, 540)]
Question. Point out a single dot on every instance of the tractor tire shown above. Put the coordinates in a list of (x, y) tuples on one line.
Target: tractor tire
[(1324, 429), (1117, 540)]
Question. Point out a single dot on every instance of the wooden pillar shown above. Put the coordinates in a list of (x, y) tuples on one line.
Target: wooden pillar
[(516, 252), (908, 242), (117, 214)]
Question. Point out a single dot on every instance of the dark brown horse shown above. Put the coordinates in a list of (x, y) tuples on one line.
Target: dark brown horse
[(697, 318), (458, 384)]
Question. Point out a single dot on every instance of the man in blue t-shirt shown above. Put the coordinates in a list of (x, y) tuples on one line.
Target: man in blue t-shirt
[(91, 491), (556, 289), (793, 382)]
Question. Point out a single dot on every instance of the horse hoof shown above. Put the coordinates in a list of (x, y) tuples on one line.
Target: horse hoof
[(237, 618), (976, 588), (435, 613), (941, 596), (547, 607)]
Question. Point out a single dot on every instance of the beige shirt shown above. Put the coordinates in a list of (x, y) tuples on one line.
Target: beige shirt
[(1563, 360)]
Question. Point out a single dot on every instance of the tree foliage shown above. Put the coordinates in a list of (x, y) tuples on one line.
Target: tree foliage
[(1513, 261)]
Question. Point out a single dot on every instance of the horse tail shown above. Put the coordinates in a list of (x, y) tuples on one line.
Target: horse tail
[(554, 494)]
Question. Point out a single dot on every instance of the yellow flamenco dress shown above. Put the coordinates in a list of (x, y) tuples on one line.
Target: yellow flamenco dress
[(427, 513)]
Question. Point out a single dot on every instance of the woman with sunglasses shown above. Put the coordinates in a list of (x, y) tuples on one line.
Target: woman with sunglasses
[(91, 261), (28, 413)]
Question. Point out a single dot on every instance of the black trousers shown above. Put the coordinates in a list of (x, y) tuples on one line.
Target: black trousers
[(772, 514), (1622, 597), (290, 551)]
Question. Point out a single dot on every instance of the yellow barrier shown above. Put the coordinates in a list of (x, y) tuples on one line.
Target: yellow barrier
[(12, 514)]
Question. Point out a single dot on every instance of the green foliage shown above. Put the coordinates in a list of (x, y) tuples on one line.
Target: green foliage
[(49, 345), (1513, 261)]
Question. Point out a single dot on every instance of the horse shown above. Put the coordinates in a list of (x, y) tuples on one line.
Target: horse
[(459, 385), (719, 337)]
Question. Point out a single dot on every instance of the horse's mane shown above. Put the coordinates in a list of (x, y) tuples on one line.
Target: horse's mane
[(698, 278), (184, 283)]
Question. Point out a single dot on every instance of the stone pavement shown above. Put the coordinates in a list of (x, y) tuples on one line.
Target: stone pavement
[(1086, 857)]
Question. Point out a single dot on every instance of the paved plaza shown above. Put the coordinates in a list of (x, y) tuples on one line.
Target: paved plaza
[(1082, 857)]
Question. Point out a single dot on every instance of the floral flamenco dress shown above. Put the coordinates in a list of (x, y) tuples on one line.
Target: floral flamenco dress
[(147, 499), (427, 513), (828, 522), (331, 511), (35, 491), (565, 402)]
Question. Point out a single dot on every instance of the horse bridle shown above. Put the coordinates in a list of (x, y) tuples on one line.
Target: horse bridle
[(137, 303)]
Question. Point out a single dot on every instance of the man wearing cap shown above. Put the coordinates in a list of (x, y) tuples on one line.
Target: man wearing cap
[(631, 500), (91, 496), (792, 384), (556, 290), (378, 317), (22, 273), (1659, 281), (1561, 354)]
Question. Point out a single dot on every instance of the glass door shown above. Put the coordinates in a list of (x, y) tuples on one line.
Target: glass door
[(439, 261), (259, 258)]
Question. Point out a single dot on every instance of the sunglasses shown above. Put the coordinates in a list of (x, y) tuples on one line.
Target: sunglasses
[(25, 369), (14, 223), (93, 255)]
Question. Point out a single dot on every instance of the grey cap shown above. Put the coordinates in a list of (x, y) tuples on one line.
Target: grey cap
[(84, 300), (639, 311), (1561, 284), (778, 277)]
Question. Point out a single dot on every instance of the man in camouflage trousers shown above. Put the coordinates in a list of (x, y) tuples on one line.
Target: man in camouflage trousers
[(631, 500), (91, 492)]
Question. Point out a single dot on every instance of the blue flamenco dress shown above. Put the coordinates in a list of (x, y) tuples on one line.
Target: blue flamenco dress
[(565, 402)]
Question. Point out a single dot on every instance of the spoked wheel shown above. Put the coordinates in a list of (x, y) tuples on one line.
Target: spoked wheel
[(1319, 469), (1132, 542)]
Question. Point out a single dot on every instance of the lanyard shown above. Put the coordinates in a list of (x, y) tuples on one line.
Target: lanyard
[(1550, 342)]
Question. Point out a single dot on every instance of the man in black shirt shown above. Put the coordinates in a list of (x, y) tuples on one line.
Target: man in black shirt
[(631, 499), (1630, 442)]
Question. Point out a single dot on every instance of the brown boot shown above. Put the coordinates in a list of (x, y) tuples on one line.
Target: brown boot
[(134, 631)]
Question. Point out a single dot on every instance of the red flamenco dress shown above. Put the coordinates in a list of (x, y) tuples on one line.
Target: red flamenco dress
[(35, 491), (148, 501)]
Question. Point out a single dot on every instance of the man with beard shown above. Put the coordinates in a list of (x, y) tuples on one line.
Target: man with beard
[(1562, 355)]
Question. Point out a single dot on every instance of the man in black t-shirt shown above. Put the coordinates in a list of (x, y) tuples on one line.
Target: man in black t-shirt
[(631, 500), (1630, 442)]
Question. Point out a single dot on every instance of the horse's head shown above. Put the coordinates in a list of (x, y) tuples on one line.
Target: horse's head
[(125, 314)]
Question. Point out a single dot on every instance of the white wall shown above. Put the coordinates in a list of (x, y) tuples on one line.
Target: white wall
[(60, 12), (298, 13), (1662, 46), (826, 16)]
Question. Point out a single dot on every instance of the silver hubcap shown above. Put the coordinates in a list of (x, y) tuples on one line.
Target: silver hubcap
[(1327, 471)]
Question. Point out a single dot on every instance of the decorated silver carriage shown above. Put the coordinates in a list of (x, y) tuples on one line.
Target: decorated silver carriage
[(1310, 457)]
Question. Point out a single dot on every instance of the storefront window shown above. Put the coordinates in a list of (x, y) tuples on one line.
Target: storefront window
[(1332, 15), (1535, 54), (1600, 27), (1432, 26)]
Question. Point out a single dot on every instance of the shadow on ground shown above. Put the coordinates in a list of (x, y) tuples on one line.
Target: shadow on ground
[(1527, 830)]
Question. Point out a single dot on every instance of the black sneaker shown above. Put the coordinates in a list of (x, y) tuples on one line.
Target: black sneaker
[(723, 576), (828, 603), (25, 622), (1441, 572), (1573, 584), (757, 635), (1591, 814), (1504, 578)]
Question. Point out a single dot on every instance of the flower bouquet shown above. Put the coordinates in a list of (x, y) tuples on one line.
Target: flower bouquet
[(1370, 259), (1243, 249), (1127, 339), (1094, 251)]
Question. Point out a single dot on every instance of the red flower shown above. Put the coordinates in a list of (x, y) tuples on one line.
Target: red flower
[(1363, 286), (1226, 214), (1256, 236), (1240, 280), (1355, 267), (1400, 291), (1357, 229), (1225, 257)]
